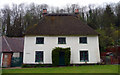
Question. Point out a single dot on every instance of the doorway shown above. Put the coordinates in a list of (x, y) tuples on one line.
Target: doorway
[(61, 58), (6, 59)]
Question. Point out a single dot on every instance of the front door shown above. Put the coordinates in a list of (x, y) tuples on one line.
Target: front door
[(61, 58), (5, 61), (16, 61)]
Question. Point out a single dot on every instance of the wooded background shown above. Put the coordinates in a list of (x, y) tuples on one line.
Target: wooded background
[(105, 19)]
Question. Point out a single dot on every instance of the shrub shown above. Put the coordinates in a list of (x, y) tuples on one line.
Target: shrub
[(55, 56), (26, 65)]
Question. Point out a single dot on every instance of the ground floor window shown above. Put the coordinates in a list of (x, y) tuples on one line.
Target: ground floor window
[(84, 56), (39, 56)]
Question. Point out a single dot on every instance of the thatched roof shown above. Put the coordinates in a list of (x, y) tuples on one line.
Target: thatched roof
[(61, 24)]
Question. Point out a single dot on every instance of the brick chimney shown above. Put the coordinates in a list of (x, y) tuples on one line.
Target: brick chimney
[(44, 11), (76, 11)]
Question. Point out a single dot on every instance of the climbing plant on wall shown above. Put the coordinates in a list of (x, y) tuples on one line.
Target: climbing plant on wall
[(56, 53)]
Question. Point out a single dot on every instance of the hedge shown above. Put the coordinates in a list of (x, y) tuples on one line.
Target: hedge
[(55, 56), (35, 65)]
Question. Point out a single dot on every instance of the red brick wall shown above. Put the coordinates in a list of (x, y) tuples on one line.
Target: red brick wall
[(8, 59)]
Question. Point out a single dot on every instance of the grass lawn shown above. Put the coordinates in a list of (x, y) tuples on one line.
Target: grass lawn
[(70, 69)]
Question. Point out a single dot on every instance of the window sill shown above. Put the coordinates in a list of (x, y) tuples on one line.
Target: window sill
[(39, 44), (62, 43), (39, 62), (84, 61), (83, 43)]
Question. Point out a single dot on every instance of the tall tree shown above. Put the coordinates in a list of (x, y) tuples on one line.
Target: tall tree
[(108, 17), (8, 25)]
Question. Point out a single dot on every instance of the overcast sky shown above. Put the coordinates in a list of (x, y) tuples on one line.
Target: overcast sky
[(57, 3)]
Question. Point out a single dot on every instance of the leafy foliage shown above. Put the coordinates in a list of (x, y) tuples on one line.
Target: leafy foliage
[(105, 22)]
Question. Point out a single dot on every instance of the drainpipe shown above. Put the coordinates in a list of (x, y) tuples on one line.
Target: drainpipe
[(1, 63)]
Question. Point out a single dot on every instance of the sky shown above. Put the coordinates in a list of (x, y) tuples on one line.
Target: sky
[(58, 3)]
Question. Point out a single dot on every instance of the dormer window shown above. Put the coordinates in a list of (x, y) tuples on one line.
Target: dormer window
[(83, 40), (61, 40), (39, 40)]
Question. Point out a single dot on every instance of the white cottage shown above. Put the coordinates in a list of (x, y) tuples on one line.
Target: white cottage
[(61, 30)]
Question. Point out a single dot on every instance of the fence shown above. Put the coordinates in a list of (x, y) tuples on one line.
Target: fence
[(16, 61)]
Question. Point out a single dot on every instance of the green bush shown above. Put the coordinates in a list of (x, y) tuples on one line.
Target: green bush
[(26, 66), (55, 56)]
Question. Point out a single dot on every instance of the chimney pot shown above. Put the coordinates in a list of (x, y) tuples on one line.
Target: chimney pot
[(44, 11), (76, 11)]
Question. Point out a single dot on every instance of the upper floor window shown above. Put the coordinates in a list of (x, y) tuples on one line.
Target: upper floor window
[(61, 40), (39, 40), (83, 40)]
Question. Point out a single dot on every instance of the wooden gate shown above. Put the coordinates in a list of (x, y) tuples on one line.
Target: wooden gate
[(16, 61), (108, 60)]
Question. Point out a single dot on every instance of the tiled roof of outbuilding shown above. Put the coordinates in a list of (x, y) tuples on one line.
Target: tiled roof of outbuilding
[(12, 44)]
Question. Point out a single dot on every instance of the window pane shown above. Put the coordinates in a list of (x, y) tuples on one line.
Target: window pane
[(83, 39), (86, 56), (61, 40), (39, 40), (83, 56), (39, 56)]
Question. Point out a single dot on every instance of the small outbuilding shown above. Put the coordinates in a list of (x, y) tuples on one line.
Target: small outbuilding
[(12, 51)]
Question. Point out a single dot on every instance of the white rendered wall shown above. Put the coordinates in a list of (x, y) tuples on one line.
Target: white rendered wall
[(51, 42)]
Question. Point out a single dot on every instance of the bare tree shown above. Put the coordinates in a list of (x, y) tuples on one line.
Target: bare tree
[(57, 10), (52, 9), (68, 8), (74, 6)]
